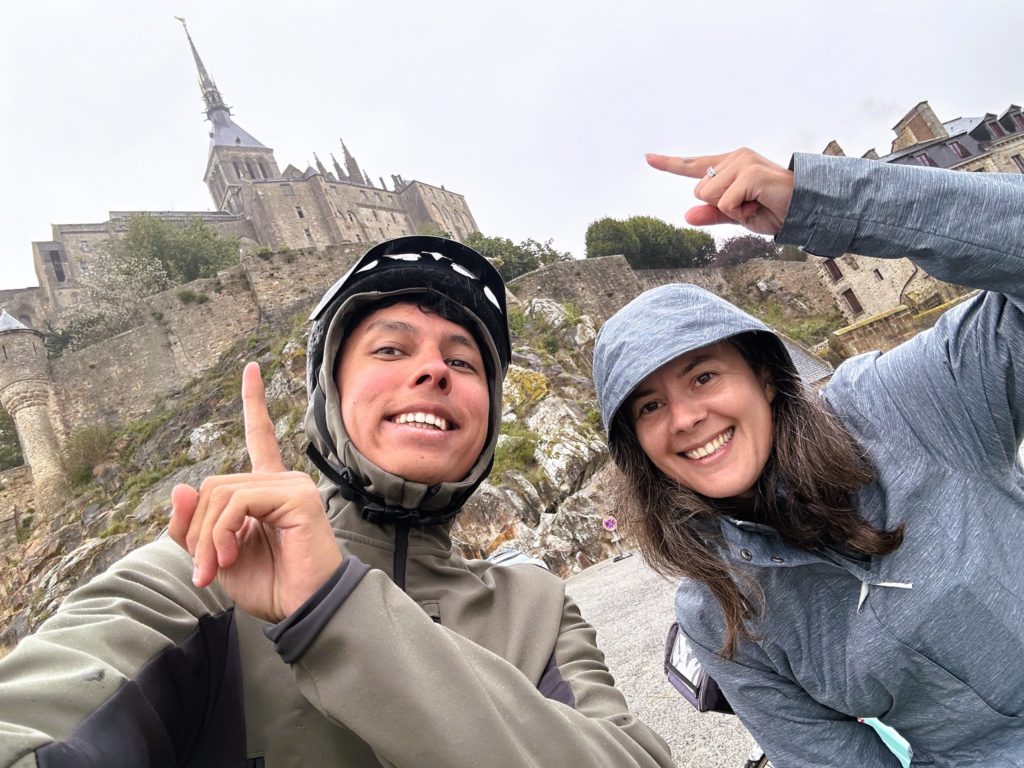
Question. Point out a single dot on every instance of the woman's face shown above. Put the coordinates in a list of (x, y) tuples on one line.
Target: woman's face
[(705, 420)]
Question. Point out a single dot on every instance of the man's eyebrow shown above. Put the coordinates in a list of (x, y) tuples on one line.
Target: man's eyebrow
[(462, 340), (400, 326), (383, 324)]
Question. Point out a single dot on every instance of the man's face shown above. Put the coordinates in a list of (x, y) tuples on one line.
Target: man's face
[(414, 395)]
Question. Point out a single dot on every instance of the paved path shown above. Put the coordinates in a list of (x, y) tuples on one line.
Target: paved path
[(631, 607)]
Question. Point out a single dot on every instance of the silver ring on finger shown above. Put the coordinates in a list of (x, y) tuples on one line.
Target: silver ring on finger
[(712, 172)]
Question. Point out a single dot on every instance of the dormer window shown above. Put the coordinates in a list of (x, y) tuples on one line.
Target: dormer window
[(924, 159), (959, 149), (996, 130)]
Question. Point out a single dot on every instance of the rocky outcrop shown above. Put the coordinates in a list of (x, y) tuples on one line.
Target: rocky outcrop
[(547, 499)]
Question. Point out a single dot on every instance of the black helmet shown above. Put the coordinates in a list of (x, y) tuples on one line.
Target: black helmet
[(417, 262), (409, 265)]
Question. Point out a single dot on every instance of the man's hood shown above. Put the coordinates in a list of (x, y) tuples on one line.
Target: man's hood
[(658, 326), (337, 448)]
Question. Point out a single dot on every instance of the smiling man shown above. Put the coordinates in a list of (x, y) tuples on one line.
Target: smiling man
[(282, 623)]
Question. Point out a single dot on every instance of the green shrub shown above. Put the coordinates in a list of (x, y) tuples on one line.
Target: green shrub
[(516, 321), (188, 296), (516, 451), (264, 253), (573, 313), (85, 449)]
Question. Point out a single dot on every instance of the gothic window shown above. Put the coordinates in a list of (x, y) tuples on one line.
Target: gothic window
[(250, 169), (298, 212), (58, 268), (263, 170), (959, 149), (351, 218), (851, 300), (833, 269), (877, 273), (309, 235), (238, 169)]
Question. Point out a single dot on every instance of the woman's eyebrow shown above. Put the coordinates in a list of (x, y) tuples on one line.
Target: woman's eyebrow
[(695, 362)]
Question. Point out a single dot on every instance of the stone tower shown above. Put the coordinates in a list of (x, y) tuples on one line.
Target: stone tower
[(234, 154), (25, 395)]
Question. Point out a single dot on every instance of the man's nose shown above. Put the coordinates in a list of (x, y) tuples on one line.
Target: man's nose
[(433, 371)]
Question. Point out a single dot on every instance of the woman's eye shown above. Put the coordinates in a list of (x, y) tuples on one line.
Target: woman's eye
[(648, 407)]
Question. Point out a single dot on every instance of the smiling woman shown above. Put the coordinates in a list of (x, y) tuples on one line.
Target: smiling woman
[(846, 553)]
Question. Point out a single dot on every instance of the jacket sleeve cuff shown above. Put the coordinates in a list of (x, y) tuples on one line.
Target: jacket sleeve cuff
[(293, 635), (822, 191)]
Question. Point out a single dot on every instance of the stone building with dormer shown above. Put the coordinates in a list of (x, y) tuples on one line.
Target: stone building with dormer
[(863, 286)]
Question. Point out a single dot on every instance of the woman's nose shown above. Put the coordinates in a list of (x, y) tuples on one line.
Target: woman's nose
[(686, 414)]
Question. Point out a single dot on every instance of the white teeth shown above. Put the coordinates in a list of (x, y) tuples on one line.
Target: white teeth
[(427, 420), (711, 447)]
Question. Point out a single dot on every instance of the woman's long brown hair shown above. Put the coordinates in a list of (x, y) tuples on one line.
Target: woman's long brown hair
[(806, 491)]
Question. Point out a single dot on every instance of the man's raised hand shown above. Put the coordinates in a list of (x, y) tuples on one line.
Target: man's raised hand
[(746, 189), (262, 534)]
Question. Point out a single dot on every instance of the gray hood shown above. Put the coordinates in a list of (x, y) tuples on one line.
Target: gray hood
[(338, 449), (658, 326)]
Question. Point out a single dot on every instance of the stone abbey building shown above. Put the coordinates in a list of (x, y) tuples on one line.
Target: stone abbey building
[(257, 202)]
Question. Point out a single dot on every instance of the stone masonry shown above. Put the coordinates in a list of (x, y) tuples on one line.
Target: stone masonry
[(25, 395)]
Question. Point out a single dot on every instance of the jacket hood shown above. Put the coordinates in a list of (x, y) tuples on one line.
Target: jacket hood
[(397, 498), (658, 326)]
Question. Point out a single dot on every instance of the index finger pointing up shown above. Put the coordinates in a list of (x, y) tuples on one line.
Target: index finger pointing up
[(694, 167), (260, 441)]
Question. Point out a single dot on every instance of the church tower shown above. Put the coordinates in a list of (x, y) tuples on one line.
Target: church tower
[(25, 395), (235, 156)]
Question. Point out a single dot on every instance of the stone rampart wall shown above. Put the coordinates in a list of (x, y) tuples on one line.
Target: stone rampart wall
[(796, 283), (204, 318), (286, 282), (599, 287)]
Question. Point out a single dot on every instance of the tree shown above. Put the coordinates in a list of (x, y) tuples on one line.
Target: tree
[(649, 243), (152, 256), (743, 248), (611, 237), (186, 253), (514, 260)]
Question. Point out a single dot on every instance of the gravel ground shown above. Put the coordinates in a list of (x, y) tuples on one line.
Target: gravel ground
[(631, 608)]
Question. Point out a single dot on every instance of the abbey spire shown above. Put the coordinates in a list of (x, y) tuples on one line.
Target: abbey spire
[(235, 155)]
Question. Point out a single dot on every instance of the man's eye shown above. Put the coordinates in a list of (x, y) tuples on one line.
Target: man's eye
[(704, 378), (386, 351), (457, 363)]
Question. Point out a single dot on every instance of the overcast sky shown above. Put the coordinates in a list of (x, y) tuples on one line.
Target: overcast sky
[(538, 112)]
